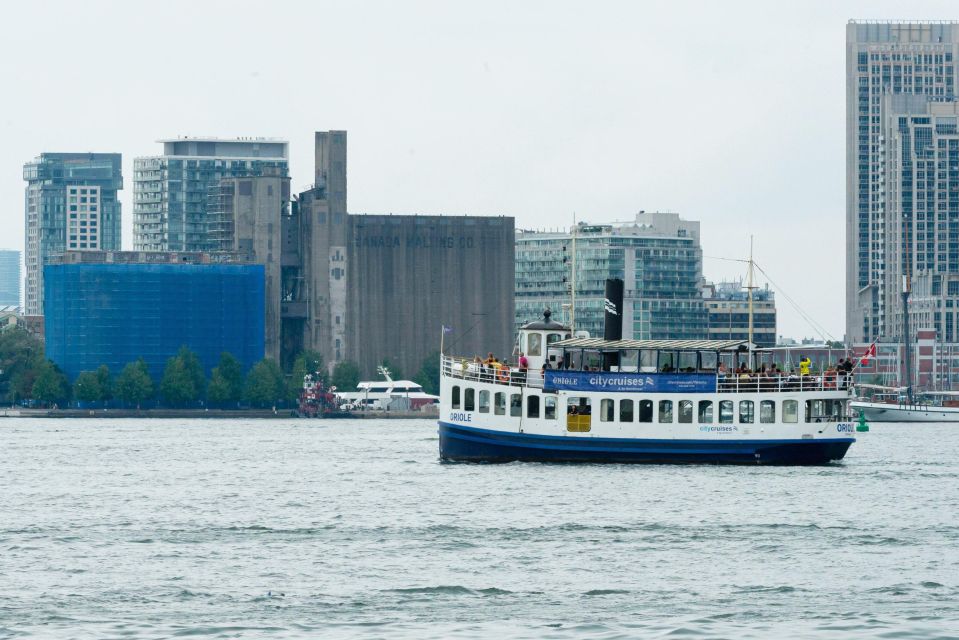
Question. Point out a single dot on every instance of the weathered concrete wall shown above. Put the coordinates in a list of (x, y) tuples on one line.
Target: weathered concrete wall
[(410, 275), (258, 205)]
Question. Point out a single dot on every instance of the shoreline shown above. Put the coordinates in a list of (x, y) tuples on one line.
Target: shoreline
[(260, 414)]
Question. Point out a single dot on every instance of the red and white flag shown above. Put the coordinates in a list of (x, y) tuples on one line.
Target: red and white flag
[(870, 353)]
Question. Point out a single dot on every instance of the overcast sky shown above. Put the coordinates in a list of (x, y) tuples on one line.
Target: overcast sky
[(730, 113)]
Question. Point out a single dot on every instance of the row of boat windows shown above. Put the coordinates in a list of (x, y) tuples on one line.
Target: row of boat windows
[(665, 411)]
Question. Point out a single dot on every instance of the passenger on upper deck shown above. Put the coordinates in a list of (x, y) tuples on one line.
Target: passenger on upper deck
[(804, 364)]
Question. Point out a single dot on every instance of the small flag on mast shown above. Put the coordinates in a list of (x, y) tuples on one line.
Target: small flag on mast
[(447, 329), (870, 353)]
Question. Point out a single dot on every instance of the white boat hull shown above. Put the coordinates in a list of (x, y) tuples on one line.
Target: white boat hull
[(881, 412)]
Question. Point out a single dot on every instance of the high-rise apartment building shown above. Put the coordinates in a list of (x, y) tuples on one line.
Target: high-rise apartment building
[(658, 256), (9, 278), (71, 204), (728, 307), (172, 192), (901, 80)]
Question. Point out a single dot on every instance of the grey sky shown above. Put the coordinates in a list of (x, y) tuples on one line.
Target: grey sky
[(727, 113)]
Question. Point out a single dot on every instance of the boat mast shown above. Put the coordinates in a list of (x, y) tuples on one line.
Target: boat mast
[(905, 336), (750, 287), (572, 288)]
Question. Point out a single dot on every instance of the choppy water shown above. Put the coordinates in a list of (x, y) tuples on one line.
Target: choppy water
[(225, 529)]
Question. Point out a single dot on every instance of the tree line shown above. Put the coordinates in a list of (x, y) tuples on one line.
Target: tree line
[(25, 374)]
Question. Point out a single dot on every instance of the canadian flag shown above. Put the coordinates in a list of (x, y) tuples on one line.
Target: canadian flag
[(870, 353)]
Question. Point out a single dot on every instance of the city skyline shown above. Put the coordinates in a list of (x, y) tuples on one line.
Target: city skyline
[(712, 131)]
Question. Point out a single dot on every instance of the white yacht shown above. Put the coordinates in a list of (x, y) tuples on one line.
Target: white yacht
[(380, 394)]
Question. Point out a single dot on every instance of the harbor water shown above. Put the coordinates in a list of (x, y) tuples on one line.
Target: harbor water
[(306, 529)]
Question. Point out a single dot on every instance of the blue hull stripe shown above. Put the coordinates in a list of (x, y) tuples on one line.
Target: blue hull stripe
[(476, 444)]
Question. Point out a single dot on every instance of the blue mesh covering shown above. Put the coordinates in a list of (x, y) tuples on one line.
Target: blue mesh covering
[(113, 314)]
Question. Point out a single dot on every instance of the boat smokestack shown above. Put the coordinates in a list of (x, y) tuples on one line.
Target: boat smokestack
[(613, 320)]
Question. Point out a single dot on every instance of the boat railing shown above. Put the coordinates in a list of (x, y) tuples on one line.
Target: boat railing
[(502, 373), (512, 375), (758, 384)]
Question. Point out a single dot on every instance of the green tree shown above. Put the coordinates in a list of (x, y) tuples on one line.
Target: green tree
[(218, 393), (226, 381), (51, 385), (346, 375), (193, 368), (232, 371), (429, 374), (177, 386), (307, 362), (264, 384), (183, 380), (134, 385), (20, 358), (87, 387), (106, 383)]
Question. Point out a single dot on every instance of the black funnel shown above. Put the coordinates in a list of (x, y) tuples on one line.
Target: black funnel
[(613, 319)]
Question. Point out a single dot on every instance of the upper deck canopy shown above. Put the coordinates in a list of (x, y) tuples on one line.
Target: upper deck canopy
[(659, 345)]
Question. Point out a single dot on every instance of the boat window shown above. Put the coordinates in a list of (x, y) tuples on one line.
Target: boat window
[(629, 361), (379, 389), (687, 361), (625, 410), (767, 411), (645, 410), (607, 410), (575, 360), (686, 411), (516, 405), (469, 400), (549, 410), (578, 415), (746, 409), (535, 345), (553, 337), (593, 360), (499, 403), (647, 361), (708, 360), (532, 406), (667, 361), (726, 411), (666, 411), (484, 402), (705, 410), (456, 396), (790, 411), (581, 406), (818, 410)]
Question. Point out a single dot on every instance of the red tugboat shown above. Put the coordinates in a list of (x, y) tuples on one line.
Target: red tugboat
[(316, 401)]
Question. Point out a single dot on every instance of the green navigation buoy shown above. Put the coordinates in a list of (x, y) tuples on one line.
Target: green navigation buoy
[(861, 426)]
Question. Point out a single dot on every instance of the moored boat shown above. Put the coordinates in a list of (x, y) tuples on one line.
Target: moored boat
[(646, 401), (928, 406)]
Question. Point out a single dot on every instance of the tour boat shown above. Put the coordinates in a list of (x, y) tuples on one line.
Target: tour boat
[(648, 401)]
